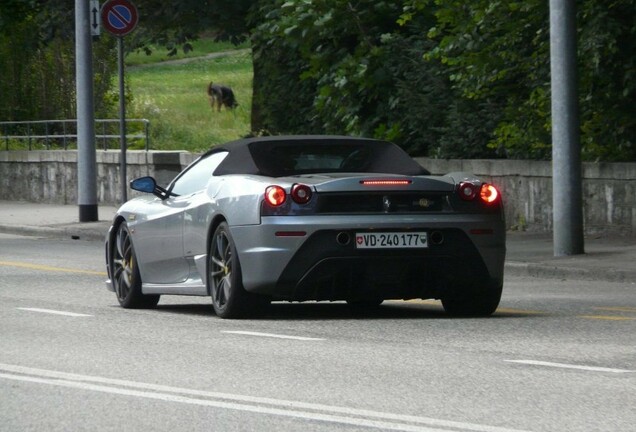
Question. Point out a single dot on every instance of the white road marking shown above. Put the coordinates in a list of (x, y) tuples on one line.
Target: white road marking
[(279, 407), (54, 312), (570, 366), (272, 335)]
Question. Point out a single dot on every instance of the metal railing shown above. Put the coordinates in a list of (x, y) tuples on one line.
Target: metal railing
[(62, 133)]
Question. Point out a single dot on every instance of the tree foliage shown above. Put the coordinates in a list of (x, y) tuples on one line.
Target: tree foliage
[(342, 67), (445, 78), (173, 24), (499, 50), (37, 62), (448, 78)]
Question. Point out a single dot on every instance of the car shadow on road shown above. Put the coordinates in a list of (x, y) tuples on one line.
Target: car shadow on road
[(342, 311), (317, 311), (388, 310)]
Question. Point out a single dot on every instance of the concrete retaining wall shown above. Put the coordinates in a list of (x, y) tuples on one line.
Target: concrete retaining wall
[(51, 176), (609, 192), (609, 189)]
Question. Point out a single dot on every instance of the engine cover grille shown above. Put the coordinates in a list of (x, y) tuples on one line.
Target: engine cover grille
[(389, 202)]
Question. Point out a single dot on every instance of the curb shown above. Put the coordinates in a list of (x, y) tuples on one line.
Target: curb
[(550, 271), (65, 232)]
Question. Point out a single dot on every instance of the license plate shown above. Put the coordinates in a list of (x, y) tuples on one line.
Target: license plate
[(391, 240)]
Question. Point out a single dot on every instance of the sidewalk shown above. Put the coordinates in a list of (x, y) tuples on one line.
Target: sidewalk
[(611, 259), (53, 220)]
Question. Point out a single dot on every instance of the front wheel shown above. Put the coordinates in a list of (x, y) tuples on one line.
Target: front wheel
[(229, 298), (474, 304), (125, 272)]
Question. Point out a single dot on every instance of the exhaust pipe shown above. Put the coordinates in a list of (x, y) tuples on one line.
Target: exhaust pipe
[(437, 237), (343, 238)]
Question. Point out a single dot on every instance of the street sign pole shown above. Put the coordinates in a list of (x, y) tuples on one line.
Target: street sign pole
[(120, 17), (122, 121)]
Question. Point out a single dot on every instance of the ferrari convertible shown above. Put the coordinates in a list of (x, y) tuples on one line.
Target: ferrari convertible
[(299, 218)]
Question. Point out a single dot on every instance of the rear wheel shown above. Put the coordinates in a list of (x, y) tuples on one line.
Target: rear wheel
[(229, 298), (475, 304), (125, 272)]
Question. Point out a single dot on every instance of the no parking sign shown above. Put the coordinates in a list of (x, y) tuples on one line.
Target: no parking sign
[(119, 17)]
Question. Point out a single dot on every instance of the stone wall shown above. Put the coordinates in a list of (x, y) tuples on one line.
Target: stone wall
[(609, 192), (51, 176), (609, 189)]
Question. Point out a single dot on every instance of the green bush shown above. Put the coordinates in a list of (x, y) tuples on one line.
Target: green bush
[(444, 78), (38, 69)]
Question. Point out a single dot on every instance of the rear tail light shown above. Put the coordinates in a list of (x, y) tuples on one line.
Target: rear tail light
[(489, 193), (486, 192), (467, 191), (275, 196), (301, 193)]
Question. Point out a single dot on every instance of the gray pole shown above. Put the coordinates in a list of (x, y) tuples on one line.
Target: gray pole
[(86, 157), (122, 120), (567, 196)]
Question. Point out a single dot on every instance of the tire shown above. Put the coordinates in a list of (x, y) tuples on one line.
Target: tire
[(229, 298), (125, 272), (474, 304)]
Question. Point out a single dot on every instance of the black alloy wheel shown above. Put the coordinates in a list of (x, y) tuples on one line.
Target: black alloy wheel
[(229, 298), (125, 272)]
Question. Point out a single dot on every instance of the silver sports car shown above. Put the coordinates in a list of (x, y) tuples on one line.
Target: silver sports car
[(298, 218)]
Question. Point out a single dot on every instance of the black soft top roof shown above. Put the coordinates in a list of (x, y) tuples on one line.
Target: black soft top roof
[(279, 156)]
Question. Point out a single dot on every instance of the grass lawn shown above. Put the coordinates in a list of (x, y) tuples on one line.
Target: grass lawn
[(172, 95)]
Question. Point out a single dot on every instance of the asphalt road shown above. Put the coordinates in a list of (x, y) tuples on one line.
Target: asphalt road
[(557, 356)]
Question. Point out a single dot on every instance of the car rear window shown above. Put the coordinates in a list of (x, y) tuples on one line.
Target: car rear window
[(279, 159)]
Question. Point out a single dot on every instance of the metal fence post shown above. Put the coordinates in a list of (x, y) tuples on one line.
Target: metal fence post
[(147, 129), (104, 145)]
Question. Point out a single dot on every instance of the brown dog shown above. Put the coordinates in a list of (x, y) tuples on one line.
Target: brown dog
[(221, 95)]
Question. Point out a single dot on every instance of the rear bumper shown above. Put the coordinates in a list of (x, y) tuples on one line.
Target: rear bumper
[(321, 266)]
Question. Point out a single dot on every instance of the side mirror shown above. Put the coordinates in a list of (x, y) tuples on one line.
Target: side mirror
[(149, 185), (144, 184)]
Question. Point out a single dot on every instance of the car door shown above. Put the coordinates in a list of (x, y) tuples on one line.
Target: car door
[(161, 235), (158, 240), (200, 208)]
